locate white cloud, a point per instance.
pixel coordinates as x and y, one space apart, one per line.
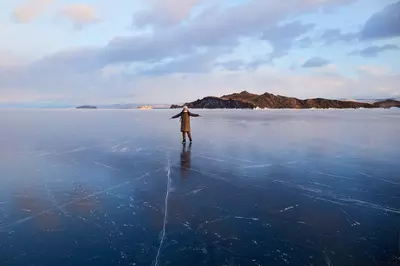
30 10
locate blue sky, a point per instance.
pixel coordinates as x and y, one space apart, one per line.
168 51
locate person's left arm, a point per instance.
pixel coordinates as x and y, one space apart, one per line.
194 115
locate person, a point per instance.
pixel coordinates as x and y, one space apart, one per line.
185 123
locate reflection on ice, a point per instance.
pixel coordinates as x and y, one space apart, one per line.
185 160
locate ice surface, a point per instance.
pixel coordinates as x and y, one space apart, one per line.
265 187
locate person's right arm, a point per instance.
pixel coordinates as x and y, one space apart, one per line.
176 116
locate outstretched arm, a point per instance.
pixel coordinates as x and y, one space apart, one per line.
195 115
176 116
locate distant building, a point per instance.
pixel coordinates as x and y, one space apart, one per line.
145 107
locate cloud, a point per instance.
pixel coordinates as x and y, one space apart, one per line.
373 51
213 28
282 37
193 47
79 14
218 28
305 42
332 36
315 62
81 60
165 12
202 62
30 10
383 24
232 65
244 65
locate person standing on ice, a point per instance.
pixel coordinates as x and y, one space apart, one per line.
185 122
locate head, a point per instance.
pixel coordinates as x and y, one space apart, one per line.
185 109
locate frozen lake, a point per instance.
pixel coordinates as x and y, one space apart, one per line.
270 187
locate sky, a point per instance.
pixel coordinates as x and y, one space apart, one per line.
59 52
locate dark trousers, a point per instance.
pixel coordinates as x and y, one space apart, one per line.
184 135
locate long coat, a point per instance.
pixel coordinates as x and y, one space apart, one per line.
185 120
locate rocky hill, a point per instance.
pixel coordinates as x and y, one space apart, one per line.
387 104
219 103
246 100
268 100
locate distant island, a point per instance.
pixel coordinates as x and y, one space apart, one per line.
86 107
246 100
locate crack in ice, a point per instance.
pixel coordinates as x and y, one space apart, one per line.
288 208
351 221
53 200
327 260
106 166
168 169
